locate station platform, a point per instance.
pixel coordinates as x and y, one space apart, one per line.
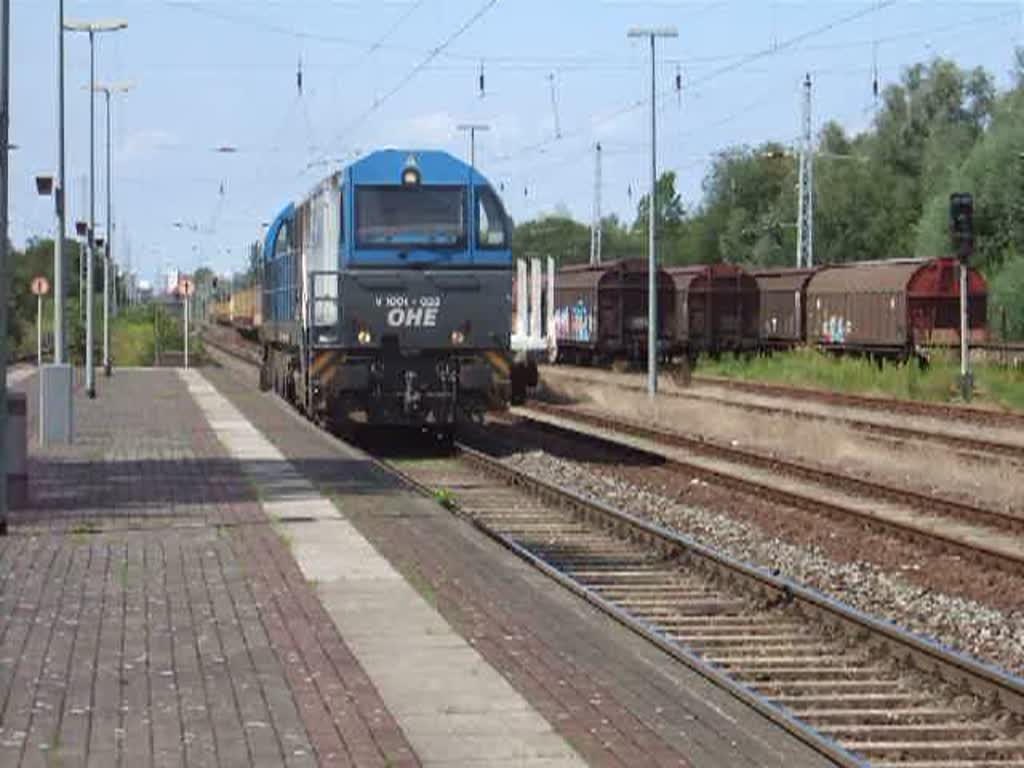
204 578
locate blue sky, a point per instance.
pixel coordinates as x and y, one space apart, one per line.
209 73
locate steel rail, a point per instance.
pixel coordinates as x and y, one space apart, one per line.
962 443
817 503
922 655
963 673
871 488
965 413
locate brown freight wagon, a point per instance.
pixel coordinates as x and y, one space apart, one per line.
782 309
892 307
716 308
600 312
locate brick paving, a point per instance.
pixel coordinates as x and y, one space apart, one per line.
151 615
618 701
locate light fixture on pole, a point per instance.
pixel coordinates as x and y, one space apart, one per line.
106 89
652 277
92 27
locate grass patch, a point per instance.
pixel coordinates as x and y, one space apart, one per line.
131 341
84 528
1003 386
938 382
445 498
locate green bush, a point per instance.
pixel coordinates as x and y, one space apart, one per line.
938 382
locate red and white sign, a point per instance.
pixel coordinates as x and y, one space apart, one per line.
40 286
186 287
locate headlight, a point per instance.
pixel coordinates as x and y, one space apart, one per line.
364 336
458 337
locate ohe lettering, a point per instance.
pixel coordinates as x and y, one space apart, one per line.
413 317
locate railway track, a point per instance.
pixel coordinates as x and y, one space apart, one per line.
972 447
858 690
972 532
962 413
937 522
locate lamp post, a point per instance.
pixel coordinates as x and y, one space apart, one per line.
92 27
5 121
106 89
82 231
652 277
60 348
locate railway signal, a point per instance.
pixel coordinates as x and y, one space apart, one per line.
961 231
961 225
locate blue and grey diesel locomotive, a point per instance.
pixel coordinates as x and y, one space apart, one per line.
387 294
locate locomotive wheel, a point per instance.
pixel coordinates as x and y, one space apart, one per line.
532 375
518 376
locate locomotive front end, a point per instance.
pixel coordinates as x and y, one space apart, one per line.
415 325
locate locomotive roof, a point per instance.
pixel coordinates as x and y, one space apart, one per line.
385 166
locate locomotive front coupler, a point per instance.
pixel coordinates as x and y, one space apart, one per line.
447 372
411 397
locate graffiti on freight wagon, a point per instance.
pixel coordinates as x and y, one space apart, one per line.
835 330
575 322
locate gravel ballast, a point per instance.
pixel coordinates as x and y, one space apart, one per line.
900 593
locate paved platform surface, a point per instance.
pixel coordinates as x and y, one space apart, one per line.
456 710
616 699
151 615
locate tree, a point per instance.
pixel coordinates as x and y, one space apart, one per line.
993 171
565 239
748 211
1006 297
37 259
669 219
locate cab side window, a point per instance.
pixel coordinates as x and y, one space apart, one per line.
283 244
492 223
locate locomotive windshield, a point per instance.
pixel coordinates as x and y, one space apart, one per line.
420 216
